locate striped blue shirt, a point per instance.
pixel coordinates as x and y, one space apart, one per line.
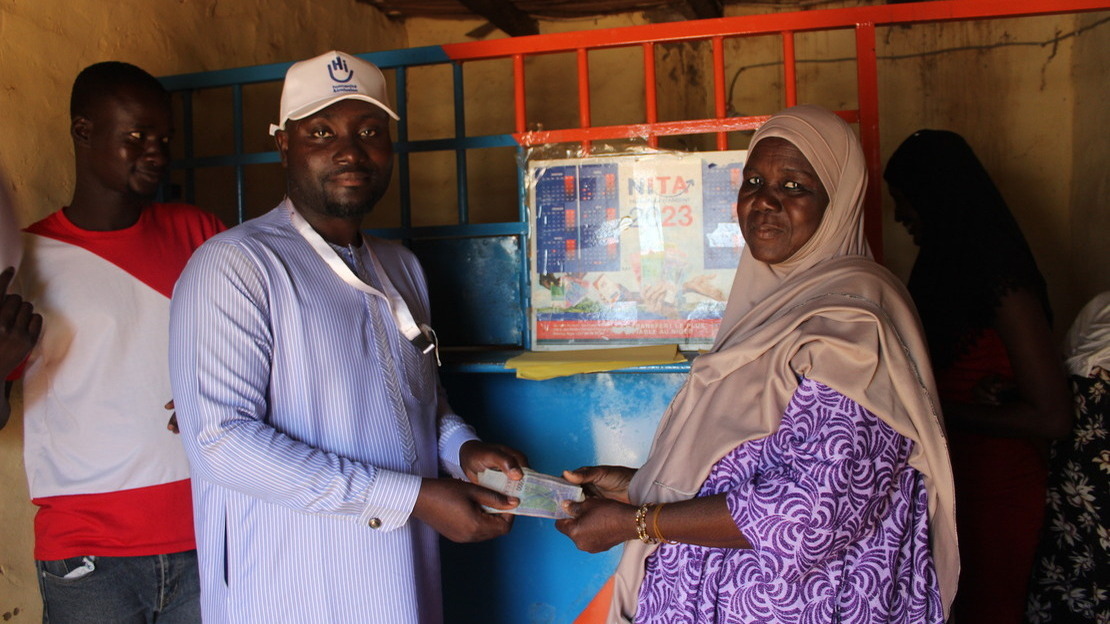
308 419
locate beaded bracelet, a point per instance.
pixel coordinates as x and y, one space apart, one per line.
641 525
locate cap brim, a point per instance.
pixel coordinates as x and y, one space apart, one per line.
320 105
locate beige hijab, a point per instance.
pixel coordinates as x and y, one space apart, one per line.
829 313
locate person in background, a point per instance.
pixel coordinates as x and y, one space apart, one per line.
306 383
984 306
113 532
800 474
1071 574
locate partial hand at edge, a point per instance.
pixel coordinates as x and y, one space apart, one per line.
454 509
172 424
20 326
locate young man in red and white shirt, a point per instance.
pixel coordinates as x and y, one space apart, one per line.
104 463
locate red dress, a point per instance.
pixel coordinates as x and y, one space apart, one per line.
1000 490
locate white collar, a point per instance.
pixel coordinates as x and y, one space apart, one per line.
420 335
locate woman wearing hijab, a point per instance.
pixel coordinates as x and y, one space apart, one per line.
984 307
801 473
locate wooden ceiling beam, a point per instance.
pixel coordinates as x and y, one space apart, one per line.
506 16
705 9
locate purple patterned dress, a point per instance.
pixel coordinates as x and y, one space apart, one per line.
837 520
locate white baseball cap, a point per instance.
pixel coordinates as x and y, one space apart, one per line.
313 85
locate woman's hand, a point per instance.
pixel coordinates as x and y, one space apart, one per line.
603 481
598 523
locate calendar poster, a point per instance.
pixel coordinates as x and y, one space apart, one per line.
632 249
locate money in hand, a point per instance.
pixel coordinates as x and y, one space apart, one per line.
540 495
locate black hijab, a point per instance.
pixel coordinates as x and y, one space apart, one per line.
972 250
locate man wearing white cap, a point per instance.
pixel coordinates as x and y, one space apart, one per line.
305 376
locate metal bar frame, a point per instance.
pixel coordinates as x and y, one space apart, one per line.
862 20
768 24
582 56
519 49
651 102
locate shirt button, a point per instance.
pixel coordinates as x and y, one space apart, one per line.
375 523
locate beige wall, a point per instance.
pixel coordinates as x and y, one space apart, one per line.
1084 243
43 44
1033 112
1026 96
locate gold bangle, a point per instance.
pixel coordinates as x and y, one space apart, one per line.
655 525
641 525
655 522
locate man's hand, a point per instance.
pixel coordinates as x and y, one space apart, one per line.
19 326
598 523
454 509
603 481
476 456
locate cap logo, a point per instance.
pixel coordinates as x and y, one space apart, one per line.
340 65
309 88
